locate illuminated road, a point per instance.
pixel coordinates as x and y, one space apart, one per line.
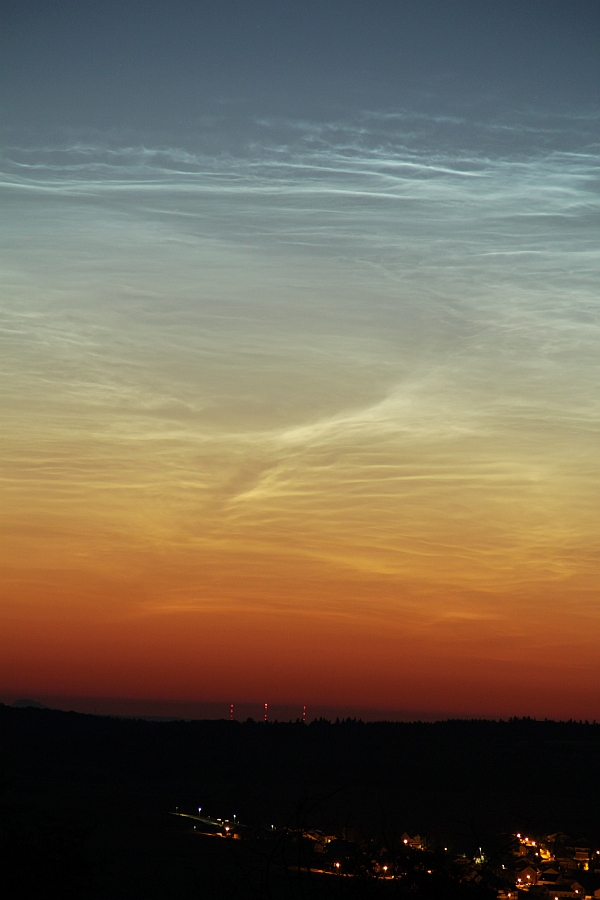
222 826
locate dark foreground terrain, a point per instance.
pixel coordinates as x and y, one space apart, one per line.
86 802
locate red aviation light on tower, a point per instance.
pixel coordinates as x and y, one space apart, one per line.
266 712
231 712
304 714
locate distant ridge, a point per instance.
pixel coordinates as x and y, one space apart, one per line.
21 704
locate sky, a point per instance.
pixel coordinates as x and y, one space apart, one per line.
300 370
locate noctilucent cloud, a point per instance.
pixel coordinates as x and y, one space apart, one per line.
300 357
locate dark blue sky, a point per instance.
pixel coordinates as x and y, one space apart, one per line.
155 65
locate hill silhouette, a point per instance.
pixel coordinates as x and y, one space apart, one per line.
86 799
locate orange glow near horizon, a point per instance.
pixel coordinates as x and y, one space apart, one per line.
210 624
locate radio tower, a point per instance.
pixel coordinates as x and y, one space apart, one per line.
266 711
304 714
231 712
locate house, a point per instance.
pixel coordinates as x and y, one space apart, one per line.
548 876
567 891
415 843
527 874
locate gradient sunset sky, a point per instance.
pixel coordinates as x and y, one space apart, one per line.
300 353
